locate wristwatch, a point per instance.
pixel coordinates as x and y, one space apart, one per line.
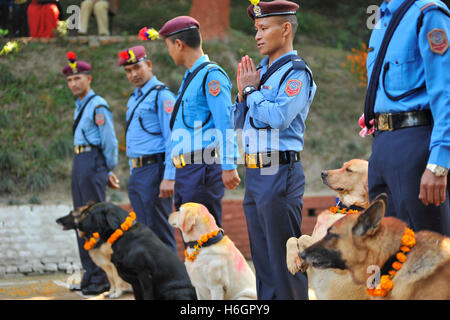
438 171
248 90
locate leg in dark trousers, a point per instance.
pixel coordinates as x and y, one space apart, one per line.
397 163
201 183
89 179
273 209
143 191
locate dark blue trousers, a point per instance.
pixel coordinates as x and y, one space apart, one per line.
89 180
143 191
273 209
201 183
396 166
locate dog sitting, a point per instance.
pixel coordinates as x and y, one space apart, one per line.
141 258
216 267
412 266
101 255
332 284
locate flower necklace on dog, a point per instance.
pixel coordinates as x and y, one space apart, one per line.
386 283
335 210
127 224
206 239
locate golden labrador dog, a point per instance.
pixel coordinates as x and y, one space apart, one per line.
332 284
217 269
409 266
101 255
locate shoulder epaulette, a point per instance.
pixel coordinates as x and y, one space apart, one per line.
427 8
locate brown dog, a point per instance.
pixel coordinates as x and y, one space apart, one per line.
333 284
219 271
366 241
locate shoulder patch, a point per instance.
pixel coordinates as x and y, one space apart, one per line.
99 119
214 87
437 38
293 87
168 106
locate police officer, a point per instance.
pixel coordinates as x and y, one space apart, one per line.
200 121
96 155
273 102
152 179
408 99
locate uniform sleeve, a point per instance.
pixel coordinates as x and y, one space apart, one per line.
218 96
166 101
292 96
104 120
434 32
237 114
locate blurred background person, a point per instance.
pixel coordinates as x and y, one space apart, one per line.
103 11
43 17
19 20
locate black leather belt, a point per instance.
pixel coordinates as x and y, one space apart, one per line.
265 159
183 160
145 160
394 121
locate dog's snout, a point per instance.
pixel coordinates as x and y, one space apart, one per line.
324 175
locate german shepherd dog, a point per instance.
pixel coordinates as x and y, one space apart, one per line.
361 241
100 254
141 258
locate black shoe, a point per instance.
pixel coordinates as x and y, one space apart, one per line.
95 289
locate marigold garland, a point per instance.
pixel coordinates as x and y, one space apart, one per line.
203 239
386 284
89 244
335 210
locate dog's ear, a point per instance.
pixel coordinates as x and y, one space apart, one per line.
114 215
190 217
382 197
369 221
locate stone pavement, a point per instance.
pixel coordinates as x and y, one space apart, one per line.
51 286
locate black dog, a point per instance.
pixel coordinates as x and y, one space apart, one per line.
141 258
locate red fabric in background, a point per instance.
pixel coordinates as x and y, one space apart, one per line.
42 19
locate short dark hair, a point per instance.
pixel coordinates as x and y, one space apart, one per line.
292 19
191 37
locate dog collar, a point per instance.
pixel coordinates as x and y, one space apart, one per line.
343 209
127 224
205 241
393 265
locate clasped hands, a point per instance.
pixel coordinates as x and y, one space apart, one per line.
247 75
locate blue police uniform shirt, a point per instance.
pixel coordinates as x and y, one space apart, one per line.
192 130
139 141
96 127
283 107
412 63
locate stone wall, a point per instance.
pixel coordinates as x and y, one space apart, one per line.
31 242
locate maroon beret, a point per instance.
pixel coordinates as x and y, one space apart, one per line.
132 55
74 66
273 8
178 24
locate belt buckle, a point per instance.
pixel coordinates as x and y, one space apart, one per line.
178 161
136 162
252 160
77 150
385 122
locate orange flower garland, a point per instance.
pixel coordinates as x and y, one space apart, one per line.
89 244
203 239
386 284
335 210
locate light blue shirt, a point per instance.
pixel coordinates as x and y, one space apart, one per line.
413 63
192 130
149 131
100 134
282 107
